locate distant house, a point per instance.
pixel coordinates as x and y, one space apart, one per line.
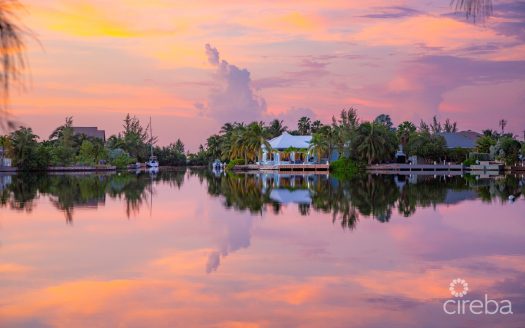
90 131
282 143
4 161
288 148
462 139
286 140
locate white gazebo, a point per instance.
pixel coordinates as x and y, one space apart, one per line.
281 144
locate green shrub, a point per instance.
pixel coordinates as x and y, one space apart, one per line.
344 168
469 162
457 155
233 162
479 157
122 161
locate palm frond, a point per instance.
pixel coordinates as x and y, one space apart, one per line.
12 47
474 9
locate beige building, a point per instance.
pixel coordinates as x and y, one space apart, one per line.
90 131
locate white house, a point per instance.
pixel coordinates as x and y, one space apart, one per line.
288 149
281 147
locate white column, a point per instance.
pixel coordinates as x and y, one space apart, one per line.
264 156
292 156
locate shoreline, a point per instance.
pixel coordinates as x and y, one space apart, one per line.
79 168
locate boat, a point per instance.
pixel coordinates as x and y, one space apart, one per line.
153 161
153 170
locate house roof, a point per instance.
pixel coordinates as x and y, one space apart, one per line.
462 139
287 140
285 196
90 131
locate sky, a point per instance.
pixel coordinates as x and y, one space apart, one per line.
192 66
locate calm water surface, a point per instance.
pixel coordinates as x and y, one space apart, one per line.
192 248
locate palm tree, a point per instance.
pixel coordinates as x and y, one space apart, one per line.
404 130
324 142
319 145
59 131
11 52
371 143
24 143
235 145
227 128
303 125
254 138
316 126
213 145
276 128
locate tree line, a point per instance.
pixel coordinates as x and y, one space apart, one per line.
65 148
347 136
347 200
366 142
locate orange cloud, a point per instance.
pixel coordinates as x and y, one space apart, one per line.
106 97
297 22
13 268
84 20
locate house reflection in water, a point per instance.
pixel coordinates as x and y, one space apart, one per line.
290 188
452 196
5 180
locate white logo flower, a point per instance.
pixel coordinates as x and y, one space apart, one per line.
458 287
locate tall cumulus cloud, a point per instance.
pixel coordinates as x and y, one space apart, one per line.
232 98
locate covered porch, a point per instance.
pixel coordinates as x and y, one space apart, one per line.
283 156
288 150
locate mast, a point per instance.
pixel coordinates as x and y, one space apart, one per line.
150 137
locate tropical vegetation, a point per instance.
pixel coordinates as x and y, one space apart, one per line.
64 147
357 142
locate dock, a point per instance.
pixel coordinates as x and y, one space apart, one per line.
8 169
296 167
81 168
416 167
285 167
419 173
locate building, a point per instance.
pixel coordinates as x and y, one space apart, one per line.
288 148
291 149
4 161
90 131
462 139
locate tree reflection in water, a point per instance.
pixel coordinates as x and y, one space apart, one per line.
375 196
67 192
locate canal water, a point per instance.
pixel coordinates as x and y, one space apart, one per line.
197 248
